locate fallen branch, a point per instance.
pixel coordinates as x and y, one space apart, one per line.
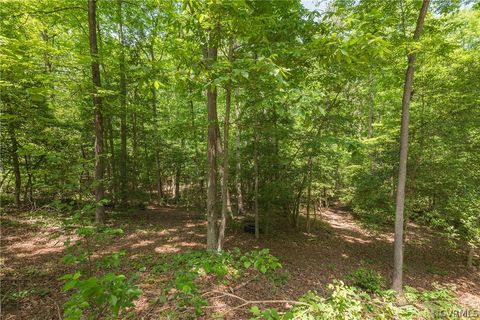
58 309
241 285
249 302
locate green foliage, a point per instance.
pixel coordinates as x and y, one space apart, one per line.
350 303
24 294
98 297
367 279
97 292
193 267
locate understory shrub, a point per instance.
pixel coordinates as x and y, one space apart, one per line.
98 292
192 267
367 279
351 303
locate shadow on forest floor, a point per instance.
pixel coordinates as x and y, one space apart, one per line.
337 245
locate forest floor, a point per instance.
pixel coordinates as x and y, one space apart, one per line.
31 249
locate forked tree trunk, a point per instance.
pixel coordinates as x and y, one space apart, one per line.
402 173
97 104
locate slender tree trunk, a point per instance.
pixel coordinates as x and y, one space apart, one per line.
255 164
123 110
226 127
112 158
16 165
97 104
29 186
135 151
221 171
470 254
177 183
309 191
158 173
402 174
210 55
200 168
238 175
371 115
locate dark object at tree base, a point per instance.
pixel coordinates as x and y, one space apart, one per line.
109 205
250 228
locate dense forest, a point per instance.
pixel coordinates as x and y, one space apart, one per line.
240 159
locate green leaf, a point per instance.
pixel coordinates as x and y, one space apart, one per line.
255 310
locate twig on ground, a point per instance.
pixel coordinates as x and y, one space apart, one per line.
248 302
58 308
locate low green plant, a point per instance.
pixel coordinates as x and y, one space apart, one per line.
352 303
97 292
367 279
98 297
196 265
435 270
22 294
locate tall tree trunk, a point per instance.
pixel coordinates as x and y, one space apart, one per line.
97 104
238 175
402 173
309 191
200 168
29 187
16 164
255 165
108 136
371 115
226 127
470 255
123 110
134 166
158 173
112 158
210 55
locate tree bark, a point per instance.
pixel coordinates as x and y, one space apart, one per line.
97 104
470 254
371 115
134 164
402 174
309 191
112 157
238 175
29 187
16 165
210 55
200 168
123 110
255 164
226 127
